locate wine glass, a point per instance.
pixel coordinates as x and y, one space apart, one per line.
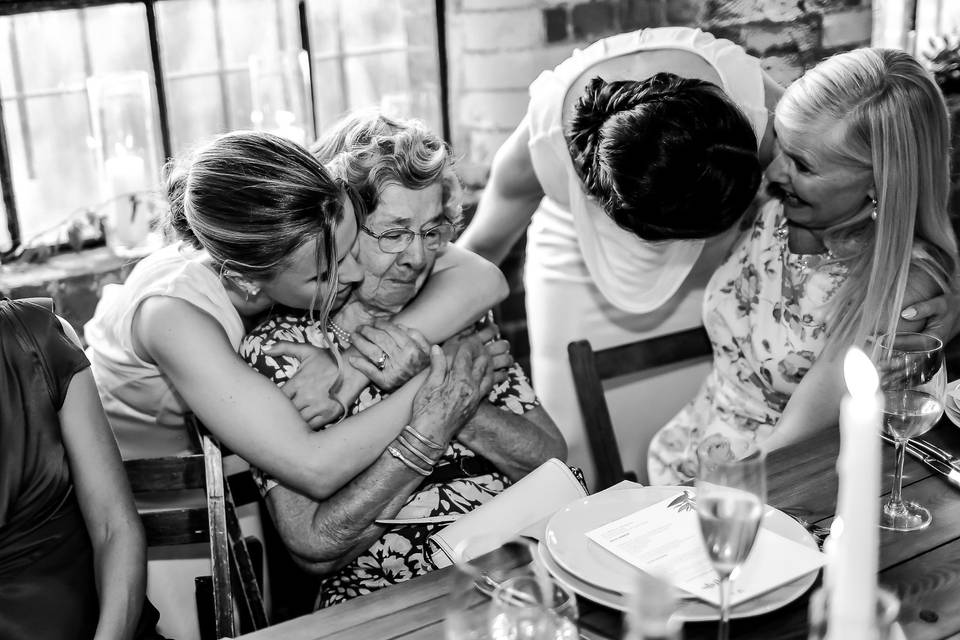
730 503
913 379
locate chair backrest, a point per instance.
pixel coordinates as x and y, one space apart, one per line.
216 522
590 368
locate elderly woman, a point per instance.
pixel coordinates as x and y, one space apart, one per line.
857 229
405 179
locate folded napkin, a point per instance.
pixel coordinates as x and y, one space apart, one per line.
531 499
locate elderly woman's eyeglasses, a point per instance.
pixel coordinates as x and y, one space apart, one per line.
397 240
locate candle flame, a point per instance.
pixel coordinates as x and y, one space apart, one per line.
860 374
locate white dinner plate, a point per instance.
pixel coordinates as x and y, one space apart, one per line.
595 573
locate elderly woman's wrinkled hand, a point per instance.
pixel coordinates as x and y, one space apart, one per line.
309 387
487 337
452 391
392 353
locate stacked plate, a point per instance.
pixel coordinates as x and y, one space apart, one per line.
591 571
952 404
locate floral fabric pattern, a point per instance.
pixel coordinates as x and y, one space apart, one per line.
765 310
402 552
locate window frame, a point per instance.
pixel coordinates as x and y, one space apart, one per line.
13 7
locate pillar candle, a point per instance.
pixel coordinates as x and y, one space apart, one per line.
851 576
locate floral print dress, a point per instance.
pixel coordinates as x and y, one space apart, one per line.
765 310
402 552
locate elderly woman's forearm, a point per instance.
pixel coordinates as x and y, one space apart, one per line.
329 534
515 444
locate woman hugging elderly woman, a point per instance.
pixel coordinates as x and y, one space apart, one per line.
410 210
258 221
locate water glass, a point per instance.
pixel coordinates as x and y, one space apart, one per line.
913 379
533 607
468 605
652 611
730 502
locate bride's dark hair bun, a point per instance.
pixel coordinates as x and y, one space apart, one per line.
666 157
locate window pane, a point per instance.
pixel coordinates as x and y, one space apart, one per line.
195 110
383 51
330 98
367 23
208 68
59 148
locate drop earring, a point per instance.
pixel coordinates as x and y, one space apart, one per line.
874 213
249 289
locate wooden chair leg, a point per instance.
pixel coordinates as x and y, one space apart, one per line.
250 596
206 616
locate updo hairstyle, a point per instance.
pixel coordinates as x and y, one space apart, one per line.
666 157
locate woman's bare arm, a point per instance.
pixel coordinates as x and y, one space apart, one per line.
462 286
108 510
250 415
815 405
512 194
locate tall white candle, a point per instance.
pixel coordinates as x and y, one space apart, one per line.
854 540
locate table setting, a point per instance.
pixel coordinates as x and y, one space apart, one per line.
735 555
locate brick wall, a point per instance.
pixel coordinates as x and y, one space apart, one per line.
497 47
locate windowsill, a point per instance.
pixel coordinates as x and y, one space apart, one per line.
65 266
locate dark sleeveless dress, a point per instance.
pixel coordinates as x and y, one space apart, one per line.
47 587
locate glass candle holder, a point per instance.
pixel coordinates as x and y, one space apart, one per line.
124 146
884 628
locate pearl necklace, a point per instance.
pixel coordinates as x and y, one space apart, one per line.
342 335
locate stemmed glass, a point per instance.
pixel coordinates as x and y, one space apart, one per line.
913 379
730 502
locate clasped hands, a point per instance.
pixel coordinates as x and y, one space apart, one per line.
403 351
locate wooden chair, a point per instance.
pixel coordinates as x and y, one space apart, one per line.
590 368
216 523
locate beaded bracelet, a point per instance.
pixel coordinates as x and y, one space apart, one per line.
392 450
422 438
412 449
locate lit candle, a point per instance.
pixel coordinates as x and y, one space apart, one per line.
854 540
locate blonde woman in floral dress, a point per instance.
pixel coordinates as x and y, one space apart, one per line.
858 229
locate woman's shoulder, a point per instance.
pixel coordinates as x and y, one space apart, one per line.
33 314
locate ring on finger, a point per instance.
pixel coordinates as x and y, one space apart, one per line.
382 360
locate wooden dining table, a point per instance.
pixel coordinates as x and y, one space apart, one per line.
921 567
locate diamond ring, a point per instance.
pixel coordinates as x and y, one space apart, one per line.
382 361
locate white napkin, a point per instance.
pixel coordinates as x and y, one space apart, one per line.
537 495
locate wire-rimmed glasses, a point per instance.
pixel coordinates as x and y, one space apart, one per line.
398 239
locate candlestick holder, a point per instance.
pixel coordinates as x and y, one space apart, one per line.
884 624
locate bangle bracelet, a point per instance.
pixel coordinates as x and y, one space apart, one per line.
422 438
402 458
409 447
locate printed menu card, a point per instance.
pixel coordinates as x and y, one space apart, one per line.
664 539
